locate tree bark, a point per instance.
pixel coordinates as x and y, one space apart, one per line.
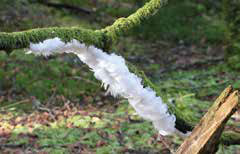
206 135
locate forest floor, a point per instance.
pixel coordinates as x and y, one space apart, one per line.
54 104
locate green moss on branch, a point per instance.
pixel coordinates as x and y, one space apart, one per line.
22 39
100 38
123 25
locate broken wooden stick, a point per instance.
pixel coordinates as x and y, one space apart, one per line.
206 135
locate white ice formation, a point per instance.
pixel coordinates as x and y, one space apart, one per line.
116 78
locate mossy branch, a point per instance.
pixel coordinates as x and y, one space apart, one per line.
100 38
17 40
123 25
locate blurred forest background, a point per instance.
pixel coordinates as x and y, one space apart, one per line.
189 49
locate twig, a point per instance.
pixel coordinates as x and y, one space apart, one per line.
38 106
17 103
51 98
49 111
12 145
30 145
162 139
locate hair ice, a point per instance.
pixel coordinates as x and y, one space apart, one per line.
116 78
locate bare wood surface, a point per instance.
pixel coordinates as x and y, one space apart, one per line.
206 135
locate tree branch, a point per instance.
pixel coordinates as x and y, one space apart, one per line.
123 25
64 6
17 40
100 38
